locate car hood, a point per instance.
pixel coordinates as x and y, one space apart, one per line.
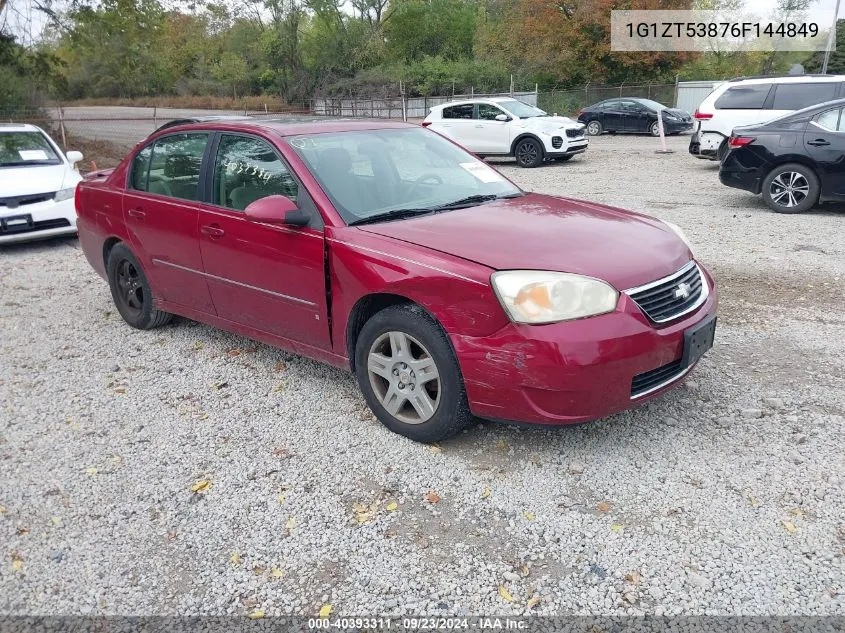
540 232
681 114
549 124
22 181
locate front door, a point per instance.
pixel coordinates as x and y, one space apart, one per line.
488 134
613 117
161 209
269 277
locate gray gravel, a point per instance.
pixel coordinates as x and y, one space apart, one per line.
724 497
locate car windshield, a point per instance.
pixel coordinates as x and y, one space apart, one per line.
382 174
651 105
23 149
521 109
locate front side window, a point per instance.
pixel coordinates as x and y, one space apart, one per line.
521 109
174 167
25 149
372 172
799 96
247 169
750 97
463 111
488 112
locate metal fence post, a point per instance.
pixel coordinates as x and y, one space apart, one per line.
155 119
677 82
62 126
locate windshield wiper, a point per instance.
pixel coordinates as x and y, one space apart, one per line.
396 214
473 200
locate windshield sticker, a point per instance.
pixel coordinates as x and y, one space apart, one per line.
33 154
482 172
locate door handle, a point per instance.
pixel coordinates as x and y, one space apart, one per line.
137 213
819 142
212 230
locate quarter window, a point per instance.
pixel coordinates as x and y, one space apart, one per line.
174 168
830 120
463 111
749 97
248 169
798 96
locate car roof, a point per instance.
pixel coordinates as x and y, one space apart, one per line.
19 127
782 79
289 126
474 100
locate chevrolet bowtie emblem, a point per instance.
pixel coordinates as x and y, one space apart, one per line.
683 291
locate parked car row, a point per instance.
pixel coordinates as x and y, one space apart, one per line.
779 137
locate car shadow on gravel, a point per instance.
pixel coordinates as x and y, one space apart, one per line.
43 244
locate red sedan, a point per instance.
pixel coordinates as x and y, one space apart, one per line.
386 249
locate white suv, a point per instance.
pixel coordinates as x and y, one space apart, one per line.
756 100
508 127
37 185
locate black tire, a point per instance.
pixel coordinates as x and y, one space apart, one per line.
654 129
594 128
785 185
722 151
427 342
529 152
130 290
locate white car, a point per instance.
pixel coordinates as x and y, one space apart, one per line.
508 127
37 185
756 100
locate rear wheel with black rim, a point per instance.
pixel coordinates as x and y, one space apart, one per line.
791 188
130 290
529 153
409 375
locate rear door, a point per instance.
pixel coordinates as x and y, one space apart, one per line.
458 124
744 104
613 116
161 208
788 97
269 277
824 141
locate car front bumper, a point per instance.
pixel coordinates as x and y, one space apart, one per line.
575 371
675 127
37 221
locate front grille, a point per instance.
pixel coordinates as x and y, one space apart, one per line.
652 380
43 225
672 296
575 132
557 142
19 201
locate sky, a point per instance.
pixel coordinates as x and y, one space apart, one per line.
27 23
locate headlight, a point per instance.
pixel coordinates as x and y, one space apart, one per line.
64 194
535 296
679 232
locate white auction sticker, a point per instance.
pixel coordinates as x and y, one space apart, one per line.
482 172
32 154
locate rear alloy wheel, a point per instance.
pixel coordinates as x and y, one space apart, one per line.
594 128
791 188
130 290
409 376
529 153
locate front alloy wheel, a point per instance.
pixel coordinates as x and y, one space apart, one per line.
529 153
404 377
594 128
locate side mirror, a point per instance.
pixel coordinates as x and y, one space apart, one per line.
271 210
74 157
502 117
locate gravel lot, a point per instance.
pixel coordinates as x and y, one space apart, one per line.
723 497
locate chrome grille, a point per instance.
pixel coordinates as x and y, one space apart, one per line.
18 201
672 296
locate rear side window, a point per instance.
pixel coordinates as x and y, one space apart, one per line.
830 120
750 97
141 169
175 165
463 111
798 96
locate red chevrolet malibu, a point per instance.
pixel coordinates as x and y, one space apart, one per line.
386 249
